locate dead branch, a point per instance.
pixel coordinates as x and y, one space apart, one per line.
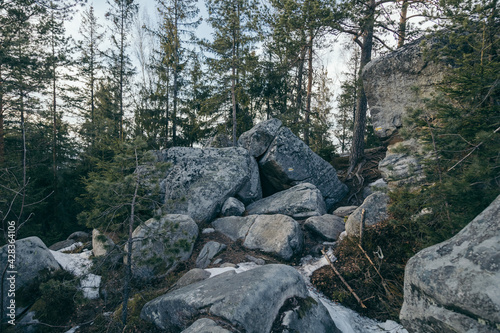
343 281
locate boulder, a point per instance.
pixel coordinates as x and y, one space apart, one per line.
344 211
232 207
34 263
454 286
160 244
278 234
62 244
205 325
375 206
102 245
397 82
192 276
289 161
209 251
199 181
250 300
326 226
300 201
258 139
80 236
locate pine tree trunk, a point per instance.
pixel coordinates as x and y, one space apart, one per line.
233 86
300 71
358 138
309 90
128 271
176 73
402 24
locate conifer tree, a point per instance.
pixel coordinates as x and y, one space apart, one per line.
179 19
121 14
235 24
89 68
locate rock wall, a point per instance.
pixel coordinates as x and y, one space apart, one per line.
398 81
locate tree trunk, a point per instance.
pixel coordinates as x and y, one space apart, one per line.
309 89
233 83
358 138
122 67
402 24
300 72
128 271
176 73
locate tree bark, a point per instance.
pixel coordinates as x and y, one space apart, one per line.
358 139
309 89
402 24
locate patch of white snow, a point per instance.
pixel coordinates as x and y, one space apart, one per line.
79 265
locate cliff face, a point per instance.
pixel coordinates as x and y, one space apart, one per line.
399 81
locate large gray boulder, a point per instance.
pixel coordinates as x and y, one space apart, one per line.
398 81
199 181
289 161
454 286
327 226
258 139
34 263
250 300
160 244
300 201
375 206
278 234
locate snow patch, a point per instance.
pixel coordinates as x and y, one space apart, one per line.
244 266
79 265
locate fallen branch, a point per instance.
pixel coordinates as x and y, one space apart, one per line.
344 281
384 284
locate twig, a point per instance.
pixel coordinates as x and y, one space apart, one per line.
473 149
344 281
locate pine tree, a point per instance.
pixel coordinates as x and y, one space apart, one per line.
179 19
89 68
121 14
235 24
